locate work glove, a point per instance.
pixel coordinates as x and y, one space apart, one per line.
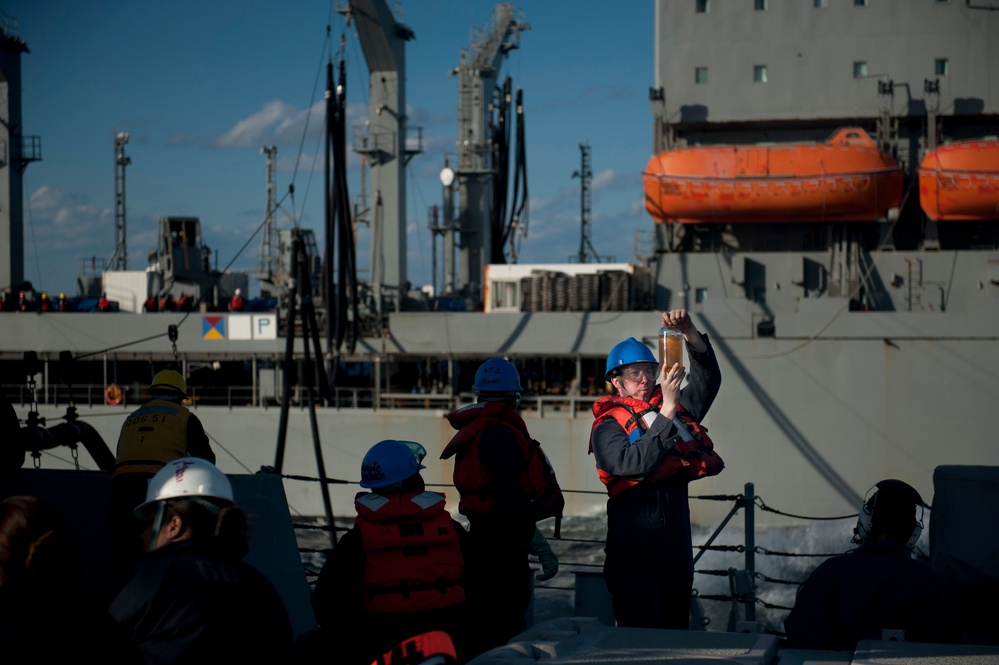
541 549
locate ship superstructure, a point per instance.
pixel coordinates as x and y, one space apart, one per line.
821 191
836 336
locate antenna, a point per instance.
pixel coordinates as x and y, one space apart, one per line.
267 252
585 174
119 259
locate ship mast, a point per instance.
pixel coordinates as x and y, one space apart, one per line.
585 175
119 260
265 266
21 149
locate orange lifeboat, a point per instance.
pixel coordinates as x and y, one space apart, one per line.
846 179
961 181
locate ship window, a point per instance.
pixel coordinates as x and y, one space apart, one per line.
859 69
760 73
702 6
760 5
700 294
942 67
861 3
758 295
506 296
700 75
822 4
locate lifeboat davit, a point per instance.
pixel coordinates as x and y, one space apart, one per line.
961 181
846 179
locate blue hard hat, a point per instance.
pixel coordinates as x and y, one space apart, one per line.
388 463
497 375
628 352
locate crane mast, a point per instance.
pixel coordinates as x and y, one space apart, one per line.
385 146
477 75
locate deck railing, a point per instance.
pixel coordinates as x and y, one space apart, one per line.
236 397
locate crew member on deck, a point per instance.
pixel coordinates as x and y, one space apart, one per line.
878 586
648 444
193 600
397 573
45 616
237 303
507 485
184 302
161 430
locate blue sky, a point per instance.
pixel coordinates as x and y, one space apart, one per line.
200 87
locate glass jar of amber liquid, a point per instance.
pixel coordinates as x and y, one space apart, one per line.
670 347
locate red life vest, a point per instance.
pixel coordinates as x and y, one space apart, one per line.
694 458
471 478
433 646
413 557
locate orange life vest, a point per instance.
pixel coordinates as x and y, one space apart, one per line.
472 479
693 457
413 556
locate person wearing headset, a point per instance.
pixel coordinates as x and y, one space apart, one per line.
506 485
876 587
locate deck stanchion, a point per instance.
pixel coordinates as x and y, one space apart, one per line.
749 503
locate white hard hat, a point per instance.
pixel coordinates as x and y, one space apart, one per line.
186 477
238 292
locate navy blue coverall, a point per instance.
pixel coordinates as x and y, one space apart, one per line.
649 566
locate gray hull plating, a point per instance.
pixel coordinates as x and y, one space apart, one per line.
813 416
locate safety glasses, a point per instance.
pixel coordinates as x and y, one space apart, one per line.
636 372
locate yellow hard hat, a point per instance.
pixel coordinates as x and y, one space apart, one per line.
62 296
168 380
45 295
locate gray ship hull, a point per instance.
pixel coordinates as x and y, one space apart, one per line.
812 416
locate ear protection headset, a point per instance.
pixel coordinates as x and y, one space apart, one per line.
865 518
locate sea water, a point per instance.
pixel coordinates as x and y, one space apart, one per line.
784 556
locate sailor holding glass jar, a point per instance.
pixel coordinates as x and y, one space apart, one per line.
648 444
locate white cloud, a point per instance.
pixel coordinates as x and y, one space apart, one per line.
611 180
275 118
65 219
282 124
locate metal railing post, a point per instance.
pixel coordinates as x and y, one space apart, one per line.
749 502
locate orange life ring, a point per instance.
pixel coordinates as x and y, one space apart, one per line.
113 394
